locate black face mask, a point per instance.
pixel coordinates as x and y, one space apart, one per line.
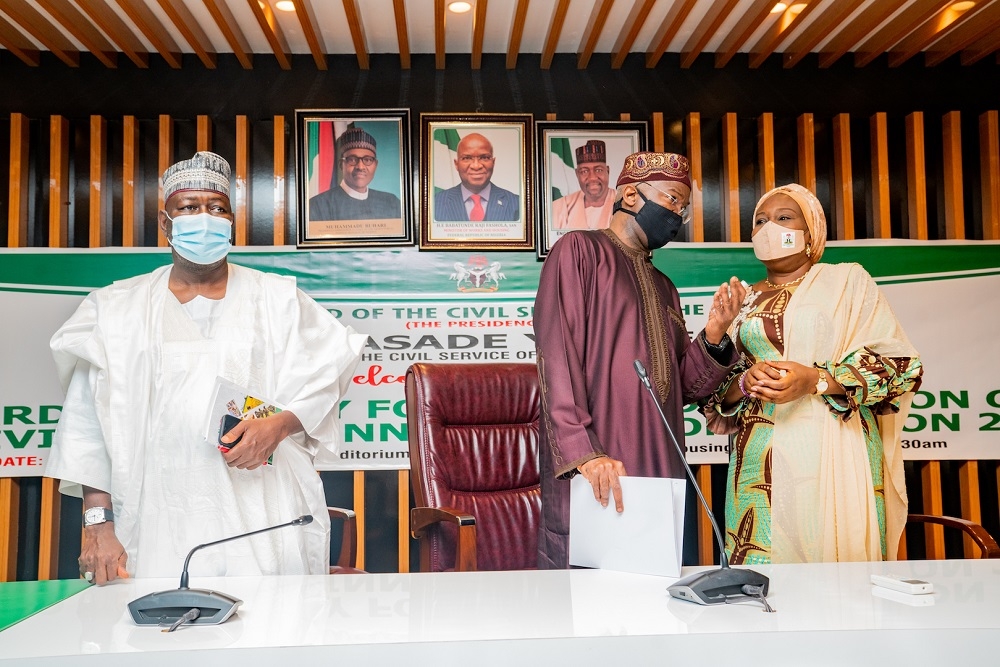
658 223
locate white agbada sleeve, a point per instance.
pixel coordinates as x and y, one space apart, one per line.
321 355
79 454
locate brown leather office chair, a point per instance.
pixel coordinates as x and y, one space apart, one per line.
348 559
988 547
473 434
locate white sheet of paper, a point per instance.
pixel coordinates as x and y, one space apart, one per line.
644 539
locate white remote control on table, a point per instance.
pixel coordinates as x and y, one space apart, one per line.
903 584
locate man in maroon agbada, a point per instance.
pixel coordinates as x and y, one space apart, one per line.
601 305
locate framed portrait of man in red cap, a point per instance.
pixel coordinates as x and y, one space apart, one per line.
353 177
577 163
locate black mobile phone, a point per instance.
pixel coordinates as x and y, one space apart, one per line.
228 422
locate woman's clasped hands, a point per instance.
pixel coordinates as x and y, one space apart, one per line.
779 381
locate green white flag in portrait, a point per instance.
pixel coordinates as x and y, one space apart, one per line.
444 154
562 175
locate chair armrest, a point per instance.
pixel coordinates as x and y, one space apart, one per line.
465 545
976 533
348 558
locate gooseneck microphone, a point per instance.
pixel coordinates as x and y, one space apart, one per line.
711 586
176 606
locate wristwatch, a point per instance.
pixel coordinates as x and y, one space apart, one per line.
822 385
96 515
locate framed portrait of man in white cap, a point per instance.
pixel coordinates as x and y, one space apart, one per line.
353 177
577 163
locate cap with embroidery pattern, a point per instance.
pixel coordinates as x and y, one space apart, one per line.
205 171
593 151
355 137
650 167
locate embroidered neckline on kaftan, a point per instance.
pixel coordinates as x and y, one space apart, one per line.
656 327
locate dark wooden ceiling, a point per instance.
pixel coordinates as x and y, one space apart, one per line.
252 30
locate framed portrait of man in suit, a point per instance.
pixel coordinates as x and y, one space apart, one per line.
578 163
353 177
475 181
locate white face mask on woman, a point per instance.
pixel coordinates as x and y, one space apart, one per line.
772 241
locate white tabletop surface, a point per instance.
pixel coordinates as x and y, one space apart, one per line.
825 614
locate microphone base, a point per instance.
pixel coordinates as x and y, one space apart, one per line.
716 586
165 607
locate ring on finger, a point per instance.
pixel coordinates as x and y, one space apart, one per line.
89 576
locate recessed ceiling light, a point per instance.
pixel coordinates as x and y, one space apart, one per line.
964 6
797 7
778 8
285 5
459 7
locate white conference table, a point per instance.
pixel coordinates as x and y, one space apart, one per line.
825 614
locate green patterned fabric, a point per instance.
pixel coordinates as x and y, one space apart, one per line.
872 383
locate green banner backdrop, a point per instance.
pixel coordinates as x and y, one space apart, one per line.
477 306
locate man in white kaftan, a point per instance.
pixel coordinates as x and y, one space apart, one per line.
139 361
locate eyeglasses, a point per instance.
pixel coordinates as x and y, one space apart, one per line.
683 211
587 171
352 160
469 159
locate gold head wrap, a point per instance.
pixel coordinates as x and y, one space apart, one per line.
812 211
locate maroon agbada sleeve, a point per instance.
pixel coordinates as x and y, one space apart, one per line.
560 323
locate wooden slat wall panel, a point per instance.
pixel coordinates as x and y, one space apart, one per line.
10 505
17 233
59 189
954 211
98 194
403 510
706 536
17 213
807 152
692 130
916 177
730 204
843 188
165 158
240 195
658 138
989 161
133 194
880 227
930 471
930 474
360 514
204 135
968 486
17 237
58 182
131 218
279 180
765 153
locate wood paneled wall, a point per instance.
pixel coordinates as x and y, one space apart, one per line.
127 154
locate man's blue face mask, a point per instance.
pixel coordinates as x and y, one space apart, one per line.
201 238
